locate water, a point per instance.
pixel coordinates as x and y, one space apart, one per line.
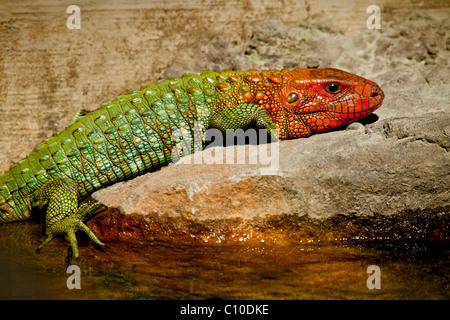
153 269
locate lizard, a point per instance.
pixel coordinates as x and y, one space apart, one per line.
132 135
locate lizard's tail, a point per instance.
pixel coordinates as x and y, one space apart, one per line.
13 205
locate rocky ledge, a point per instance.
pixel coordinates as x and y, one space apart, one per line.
385 180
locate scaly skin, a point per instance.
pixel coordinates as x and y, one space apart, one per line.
133 134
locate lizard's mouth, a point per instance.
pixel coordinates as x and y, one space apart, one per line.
342 113
360 106
376 98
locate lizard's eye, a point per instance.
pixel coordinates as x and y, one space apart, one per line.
333 88
292 97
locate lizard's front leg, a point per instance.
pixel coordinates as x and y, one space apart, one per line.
63 215
241 116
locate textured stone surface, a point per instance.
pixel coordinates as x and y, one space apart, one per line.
388 167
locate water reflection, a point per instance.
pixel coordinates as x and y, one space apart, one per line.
142 269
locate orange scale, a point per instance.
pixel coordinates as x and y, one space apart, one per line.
254 78
274 79
248 96
365 103
359 89
367 91
259 95
221 86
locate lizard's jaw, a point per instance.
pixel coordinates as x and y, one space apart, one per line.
338 114
359 106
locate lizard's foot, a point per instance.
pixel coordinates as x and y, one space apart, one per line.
64 216
67 227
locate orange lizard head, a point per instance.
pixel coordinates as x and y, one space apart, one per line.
318 100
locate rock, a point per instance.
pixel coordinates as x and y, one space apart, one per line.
391 167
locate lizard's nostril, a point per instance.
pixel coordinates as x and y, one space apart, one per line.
376 91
